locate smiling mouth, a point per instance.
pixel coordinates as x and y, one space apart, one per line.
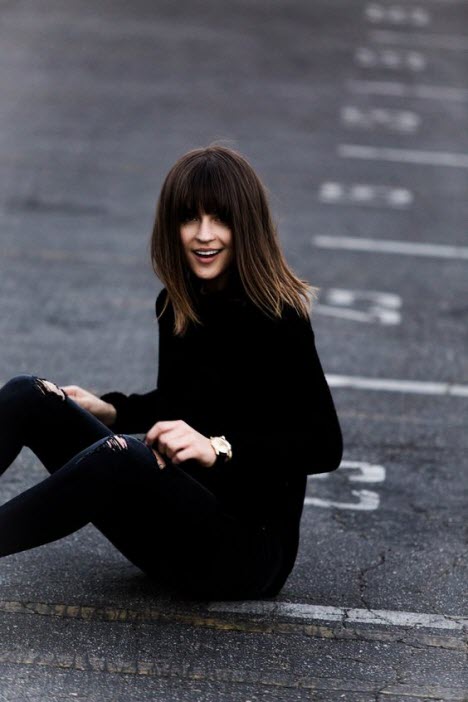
206 254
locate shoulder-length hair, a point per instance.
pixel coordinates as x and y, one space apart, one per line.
218 179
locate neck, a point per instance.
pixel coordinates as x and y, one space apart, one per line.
219 283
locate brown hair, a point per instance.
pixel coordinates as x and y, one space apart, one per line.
217 179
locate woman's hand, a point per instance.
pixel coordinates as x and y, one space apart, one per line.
103 411
180 442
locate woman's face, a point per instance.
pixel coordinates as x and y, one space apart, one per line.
208 248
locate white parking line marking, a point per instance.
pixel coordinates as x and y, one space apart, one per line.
393 385
419 158
405 248
451 42
367 501
365 194
380 307
395 14
384 317
393 59
400 121
360 472
365 472
312 613
394 89
341 296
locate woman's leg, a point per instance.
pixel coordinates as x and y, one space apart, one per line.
35 413
164 521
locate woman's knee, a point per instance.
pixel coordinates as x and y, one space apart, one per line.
126 446
118 463
24 383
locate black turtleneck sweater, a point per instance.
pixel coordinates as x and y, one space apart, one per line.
259 382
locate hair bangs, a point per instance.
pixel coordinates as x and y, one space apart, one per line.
204 189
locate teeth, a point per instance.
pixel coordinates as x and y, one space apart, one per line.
207 253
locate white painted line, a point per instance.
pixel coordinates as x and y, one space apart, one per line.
367 501
393 385
389 246
366 472
394 89
393 59
451 42
420 158
365 194
388 317
397 15
400 121
360 472
380 307
311 613
341 296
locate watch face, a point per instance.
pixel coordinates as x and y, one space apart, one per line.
221 444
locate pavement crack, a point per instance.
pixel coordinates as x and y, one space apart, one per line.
362 578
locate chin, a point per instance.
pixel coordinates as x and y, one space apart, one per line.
208 275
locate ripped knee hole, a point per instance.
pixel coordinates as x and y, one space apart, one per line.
48 388
116 443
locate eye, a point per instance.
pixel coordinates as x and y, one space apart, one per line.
219 219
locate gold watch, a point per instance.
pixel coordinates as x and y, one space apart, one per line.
222 447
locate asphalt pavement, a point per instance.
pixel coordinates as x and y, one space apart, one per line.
355 114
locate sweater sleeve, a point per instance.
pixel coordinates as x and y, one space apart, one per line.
136 413
293 425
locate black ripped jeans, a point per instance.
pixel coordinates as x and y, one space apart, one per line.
163 521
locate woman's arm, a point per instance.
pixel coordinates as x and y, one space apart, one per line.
136 413
289 422
104 411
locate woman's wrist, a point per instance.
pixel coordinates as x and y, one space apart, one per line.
110 415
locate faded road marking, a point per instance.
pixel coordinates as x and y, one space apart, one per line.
395 89
405 248
396 15
392 385
393 59
182 670
380 307
199 616
401 121
307 612
413 156
366 194
367 501
360 472
452 42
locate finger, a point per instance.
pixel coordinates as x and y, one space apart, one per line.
71 393
173 436
160 460
157 429
173 446
183 455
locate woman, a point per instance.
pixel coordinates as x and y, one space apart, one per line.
210 500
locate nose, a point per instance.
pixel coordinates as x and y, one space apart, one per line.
205 233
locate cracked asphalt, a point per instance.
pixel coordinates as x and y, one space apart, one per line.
98 100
